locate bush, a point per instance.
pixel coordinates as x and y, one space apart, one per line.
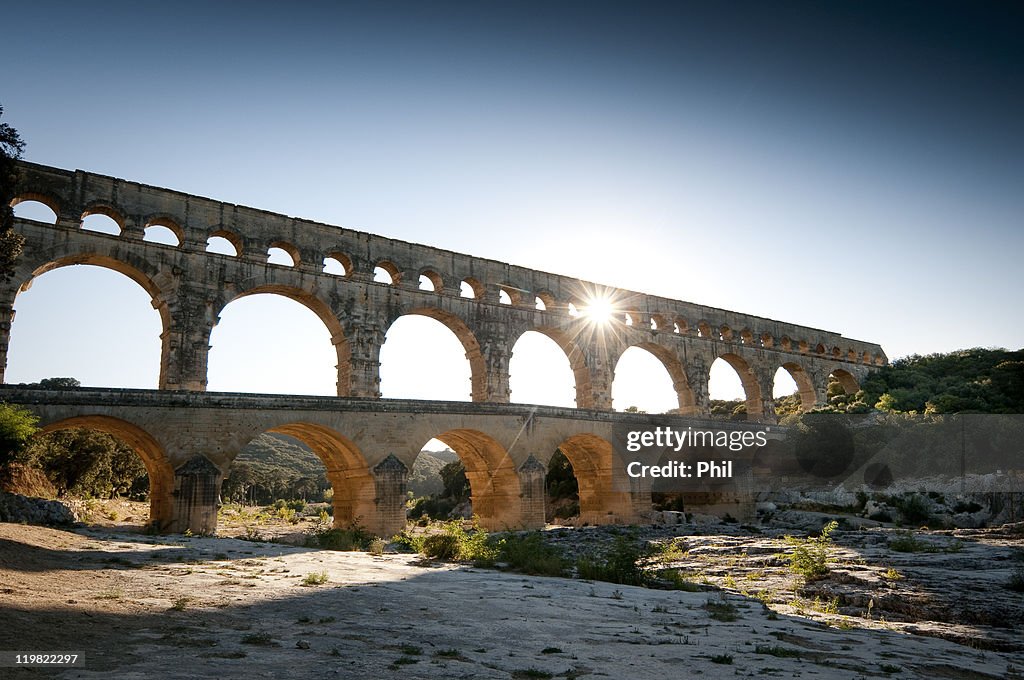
531 554
619 565
914 509
353 538
455 543
810 555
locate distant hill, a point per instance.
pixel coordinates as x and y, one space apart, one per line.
425 479
282 451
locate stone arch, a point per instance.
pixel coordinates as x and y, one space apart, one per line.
846 379
603 498
288 248
751 388
347 470
493 479
577 362
454 323
473 286
45 199
672 364
343 260
804 384
431 275
544 301
158 466
323 312
391 269
231 237
107 209
167 222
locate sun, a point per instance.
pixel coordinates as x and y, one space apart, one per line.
600 310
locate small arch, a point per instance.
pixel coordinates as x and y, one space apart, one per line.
163 230
836 352
703 330
571 310
786 343
471 288
746 337
866 357
158 466
725 333
658 322
879 361
627 319
851 355
223 242
802 346
846 380
819 349
283 253
386 272
431 281
508 295
680 326
767 341
544 301
36 207
338 264
102 219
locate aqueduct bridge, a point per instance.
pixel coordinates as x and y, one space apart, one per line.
188 438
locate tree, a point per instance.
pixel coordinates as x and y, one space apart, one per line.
11 148
17 425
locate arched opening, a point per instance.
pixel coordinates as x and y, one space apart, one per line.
283 254
94 460
223 242
35 207
843 392
527 381
161 234
431 281
438 486
604 497
431 354
571 310
102 221
338 264
494 489
733 389
471 288
540 372
561 491
387 273
300 472
94 322
278 341
503 297
650 379
792 390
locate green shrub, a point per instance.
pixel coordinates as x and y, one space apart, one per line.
353 538
531 554
455 543
619 565
914 509
810 555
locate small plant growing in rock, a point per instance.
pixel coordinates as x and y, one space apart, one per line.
315 579
810 555
376 546
721 610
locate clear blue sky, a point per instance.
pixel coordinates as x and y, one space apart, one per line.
857 167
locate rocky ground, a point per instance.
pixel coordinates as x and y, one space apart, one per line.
140 606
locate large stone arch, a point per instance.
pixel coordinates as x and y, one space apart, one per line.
149 278
604 496
322 310
847 379
676 371
347 470
466 337
751 388
577 361
493 479
158 466
804 383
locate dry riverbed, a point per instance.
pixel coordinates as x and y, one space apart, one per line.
187 607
